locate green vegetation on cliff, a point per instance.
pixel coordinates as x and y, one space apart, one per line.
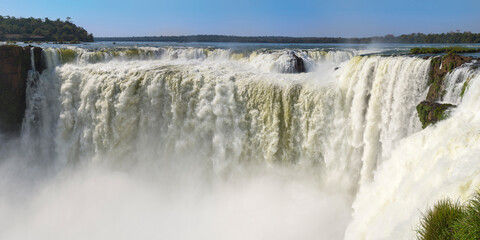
464 87
26 29
449 50
449 220
439 67
430 112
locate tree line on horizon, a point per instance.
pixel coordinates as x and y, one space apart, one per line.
36 29
451 37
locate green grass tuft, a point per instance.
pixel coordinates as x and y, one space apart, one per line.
438 222
468 227
452 221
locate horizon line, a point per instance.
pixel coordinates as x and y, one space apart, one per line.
279 36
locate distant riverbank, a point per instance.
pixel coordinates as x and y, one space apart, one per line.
414 38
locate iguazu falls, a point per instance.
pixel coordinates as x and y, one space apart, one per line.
231 144
208 124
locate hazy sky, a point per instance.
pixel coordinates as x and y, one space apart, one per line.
336 18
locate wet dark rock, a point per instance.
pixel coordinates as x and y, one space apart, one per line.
39 59
295 64
15 61
299 64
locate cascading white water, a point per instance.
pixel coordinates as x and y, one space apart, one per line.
438 162
199 138
229 114
456 82
266 60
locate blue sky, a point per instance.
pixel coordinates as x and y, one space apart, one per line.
335 18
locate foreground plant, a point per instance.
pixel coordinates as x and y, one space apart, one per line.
451 220
468 227
438 222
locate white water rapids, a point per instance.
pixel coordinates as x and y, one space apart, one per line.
193 143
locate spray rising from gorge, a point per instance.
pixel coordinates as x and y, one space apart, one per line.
212 143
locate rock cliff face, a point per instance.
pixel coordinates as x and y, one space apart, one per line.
40 63
15 62
440 66
430 111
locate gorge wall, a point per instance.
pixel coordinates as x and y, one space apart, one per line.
15 62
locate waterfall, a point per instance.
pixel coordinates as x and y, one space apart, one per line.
457 82
228 115
267 60
435 163
162 127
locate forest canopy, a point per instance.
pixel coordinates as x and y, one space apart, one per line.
36 29
451 37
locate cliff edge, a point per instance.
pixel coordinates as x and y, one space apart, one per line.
15 61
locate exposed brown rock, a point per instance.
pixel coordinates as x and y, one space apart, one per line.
440 66
14 65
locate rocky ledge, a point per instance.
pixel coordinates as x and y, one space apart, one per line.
431 112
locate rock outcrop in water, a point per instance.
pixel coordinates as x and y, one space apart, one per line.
15 62
296 64
299 64
431 112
